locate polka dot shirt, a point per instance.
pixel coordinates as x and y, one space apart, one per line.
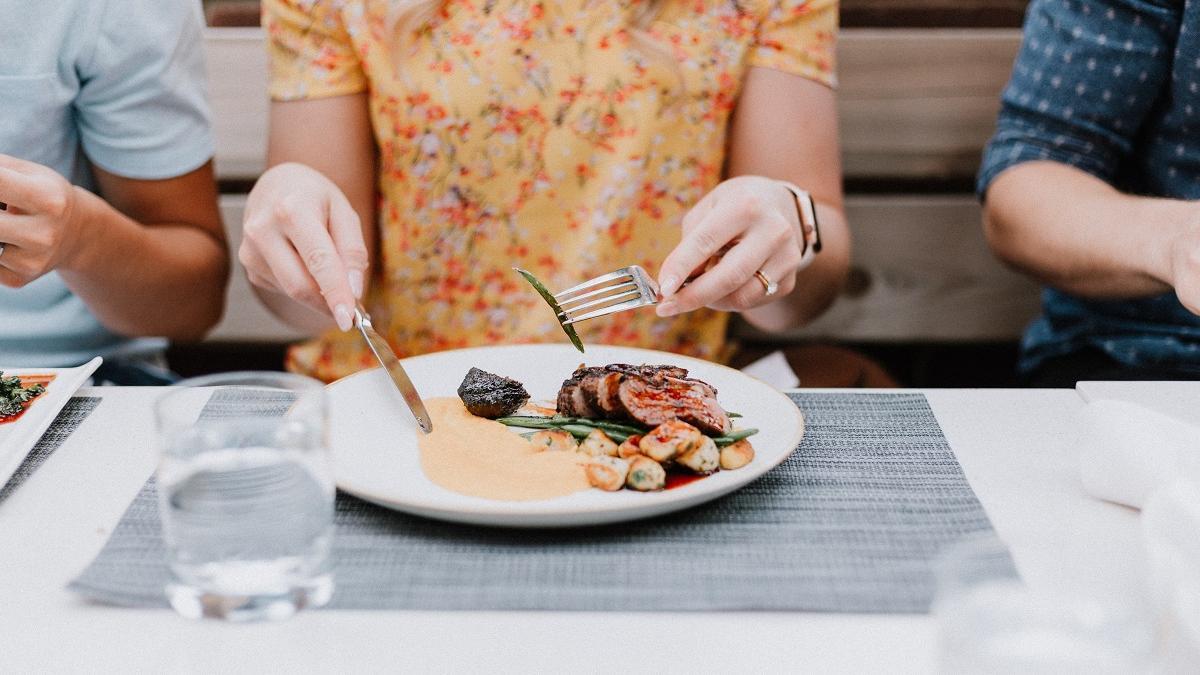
1111 87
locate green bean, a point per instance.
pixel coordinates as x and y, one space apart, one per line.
580 427
558 311
607 425
536 422
733 437
528 422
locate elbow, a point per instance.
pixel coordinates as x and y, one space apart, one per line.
1003 238
201 311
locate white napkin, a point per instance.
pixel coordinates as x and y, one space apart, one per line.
775 370
1126 451
1141 458
1171 535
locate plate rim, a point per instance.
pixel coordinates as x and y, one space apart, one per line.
664 501
66 383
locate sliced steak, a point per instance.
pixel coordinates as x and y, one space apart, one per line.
647 394
653 403
608 395
572 400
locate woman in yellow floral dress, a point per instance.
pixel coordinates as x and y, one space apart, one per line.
440 143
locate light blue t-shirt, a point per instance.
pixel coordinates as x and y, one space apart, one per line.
118 84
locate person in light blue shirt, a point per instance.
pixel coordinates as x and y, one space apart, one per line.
110 238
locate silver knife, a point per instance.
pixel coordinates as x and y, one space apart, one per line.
387 358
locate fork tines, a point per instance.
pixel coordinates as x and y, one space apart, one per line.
627 288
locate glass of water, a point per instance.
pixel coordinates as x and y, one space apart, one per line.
990 621
245 495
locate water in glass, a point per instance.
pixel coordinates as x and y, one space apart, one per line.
246 497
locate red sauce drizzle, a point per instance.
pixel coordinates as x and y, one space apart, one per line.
27 380
676 480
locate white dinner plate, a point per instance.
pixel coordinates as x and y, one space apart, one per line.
374 438
18 437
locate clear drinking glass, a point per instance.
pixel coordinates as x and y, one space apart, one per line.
246 495
989 621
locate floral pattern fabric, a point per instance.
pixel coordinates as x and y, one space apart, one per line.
553 136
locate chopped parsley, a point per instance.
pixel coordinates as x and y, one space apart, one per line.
14 396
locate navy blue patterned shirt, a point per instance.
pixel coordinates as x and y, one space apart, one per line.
1111 87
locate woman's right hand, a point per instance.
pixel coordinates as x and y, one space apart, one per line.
302 239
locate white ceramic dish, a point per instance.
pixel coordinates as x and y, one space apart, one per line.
374 438
17 438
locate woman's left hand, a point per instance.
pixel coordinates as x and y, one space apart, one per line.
754 221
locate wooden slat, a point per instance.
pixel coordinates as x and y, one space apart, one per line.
914 104
932 13
920 103
922 273
237 67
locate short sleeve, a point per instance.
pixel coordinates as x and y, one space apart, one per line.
311 53
141 107
1088 74
798 37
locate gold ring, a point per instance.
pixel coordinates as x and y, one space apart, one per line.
770 287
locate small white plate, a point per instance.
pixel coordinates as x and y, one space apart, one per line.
374 438
18 438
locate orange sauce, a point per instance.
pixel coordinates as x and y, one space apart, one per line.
481 458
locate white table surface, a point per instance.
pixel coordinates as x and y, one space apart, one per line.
1015 447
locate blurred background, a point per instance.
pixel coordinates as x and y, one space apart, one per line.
919 87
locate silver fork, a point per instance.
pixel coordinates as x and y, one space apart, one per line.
627 288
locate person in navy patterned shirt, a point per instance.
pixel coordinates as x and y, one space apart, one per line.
1090 182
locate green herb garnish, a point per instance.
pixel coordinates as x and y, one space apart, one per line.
13 396
558 312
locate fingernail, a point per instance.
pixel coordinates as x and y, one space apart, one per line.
356 283
669 286
341 314
667 308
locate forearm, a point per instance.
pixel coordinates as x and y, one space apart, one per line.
1076 233
160 279
818 285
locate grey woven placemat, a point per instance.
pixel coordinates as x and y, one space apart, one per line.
850 523
69 418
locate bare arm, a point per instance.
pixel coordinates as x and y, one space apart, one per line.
329 177
1050 206
129 255
786 127
1077 233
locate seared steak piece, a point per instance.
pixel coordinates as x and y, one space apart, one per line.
571 398
488 395
647 394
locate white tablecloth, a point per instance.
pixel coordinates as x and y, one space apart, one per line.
1013 445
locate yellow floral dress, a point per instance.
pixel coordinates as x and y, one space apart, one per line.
552 136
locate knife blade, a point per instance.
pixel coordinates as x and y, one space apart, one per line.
387 358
